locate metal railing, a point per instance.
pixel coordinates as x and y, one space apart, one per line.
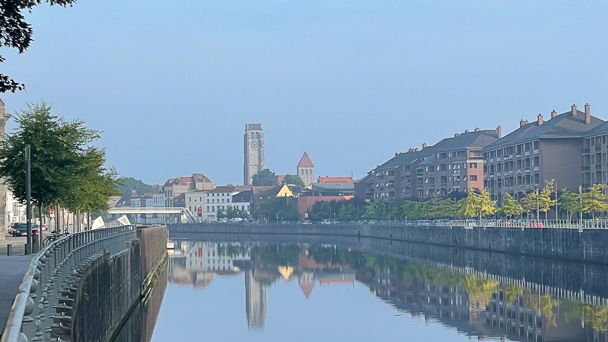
469 223
43 306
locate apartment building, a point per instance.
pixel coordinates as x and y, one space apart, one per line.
456 164
595 164
452 165
539 151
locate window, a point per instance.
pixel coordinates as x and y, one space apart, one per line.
473 178
472 165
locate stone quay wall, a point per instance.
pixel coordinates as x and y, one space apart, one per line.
589 245
112 286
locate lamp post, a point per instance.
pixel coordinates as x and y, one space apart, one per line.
28 199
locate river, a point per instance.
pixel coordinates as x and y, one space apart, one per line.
222 287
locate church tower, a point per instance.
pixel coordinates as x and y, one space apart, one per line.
306 170
254 152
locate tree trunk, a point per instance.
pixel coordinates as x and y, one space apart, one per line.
88 221
40 226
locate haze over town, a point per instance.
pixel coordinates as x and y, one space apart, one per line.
351 83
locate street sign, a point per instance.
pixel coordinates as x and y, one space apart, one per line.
52 212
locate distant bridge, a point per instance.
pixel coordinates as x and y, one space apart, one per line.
146 210
184 214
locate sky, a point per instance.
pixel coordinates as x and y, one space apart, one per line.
172 83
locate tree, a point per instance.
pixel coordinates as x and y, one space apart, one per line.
510 207
348 212
570 202
127 184
411 210
94 185
478 205
530 203
291 179
65 170
264 178
545 202
16 33
594 200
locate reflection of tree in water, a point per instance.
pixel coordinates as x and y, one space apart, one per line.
544 304
321 255
512 292
232 250
591 315
481 290
277 255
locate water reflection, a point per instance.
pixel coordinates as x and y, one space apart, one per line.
478 304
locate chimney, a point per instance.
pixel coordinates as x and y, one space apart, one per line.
455 135
466 131
499 132
423 145
573 110
540 119
522 123
477 129
553 114
587 114
396 154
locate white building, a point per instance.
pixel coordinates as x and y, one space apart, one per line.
219 199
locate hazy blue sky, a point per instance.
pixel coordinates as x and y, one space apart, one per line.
173 83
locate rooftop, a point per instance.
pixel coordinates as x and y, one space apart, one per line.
565 125
305 161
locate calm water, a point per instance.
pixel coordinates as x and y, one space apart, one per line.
231 288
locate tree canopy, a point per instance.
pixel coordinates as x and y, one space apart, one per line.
264 178
16 33
510 207
65 169
291 179
127 184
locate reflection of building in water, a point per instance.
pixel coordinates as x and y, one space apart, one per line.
255 296
307 281
195 263
533 317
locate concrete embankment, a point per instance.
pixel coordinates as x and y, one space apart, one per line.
588 245
111 286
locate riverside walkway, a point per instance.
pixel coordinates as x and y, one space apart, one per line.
12 270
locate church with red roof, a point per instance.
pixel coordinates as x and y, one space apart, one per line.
306 170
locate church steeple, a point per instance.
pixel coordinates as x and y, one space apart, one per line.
306 170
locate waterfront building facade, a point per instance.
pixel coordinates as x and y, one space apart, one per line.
537 152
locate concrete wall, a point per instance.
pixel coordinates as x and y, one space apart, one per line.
589 245
153 247
109 288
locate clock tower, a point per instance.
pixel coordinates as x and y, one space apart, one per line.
253 152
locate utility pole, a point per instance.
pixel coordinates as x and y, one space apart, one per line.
28 199
556 200
580 200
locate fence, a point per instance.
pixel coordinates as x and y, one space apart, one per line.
469 223
43 305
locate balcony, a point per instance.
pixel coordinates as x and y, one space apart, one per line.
598 148
527 153
536 169
535 152
586 151
586 168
